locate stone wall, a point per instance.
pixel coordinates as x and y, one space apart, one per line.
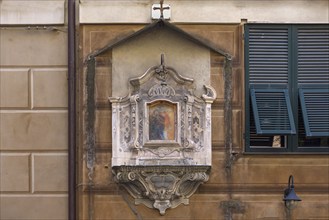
33 111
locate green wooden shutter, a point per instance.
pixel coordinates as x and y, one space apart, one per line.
272 111
268 53
313 55
313 78
315 110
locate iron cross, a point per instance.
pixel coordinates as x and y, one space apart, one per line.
161 8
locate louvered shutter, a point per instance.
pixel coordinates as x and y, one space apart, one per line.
313 74
313 56
315 110
268 64
272 111
268 55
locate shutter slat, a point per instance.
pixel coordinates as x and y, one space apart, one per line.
313 56
315 111
268 56
272 111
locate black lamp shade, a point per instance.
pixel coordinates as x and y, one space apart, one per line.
290 195
290 198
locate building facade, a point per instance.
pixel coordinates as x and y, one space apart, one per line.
279 51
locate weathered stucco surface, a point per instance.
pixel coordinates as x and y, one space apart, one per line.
32 12
253 189
187 58
209 11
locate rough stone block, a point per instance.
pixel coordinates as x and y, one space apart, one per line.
40 130
14 172
14 88
49 172
49 88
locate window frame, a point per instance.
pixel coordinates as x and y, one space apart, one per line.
291 145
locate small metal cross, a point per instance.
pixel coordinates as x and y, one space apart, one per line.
162 60
161 70
161 8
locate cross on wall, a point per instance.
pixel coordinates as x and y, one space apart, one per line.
161 8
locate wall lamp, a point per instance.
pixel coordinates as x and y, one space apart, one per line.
290 198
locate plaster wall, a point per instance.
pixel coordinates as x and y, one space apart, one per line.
209 11
33 121
187 58
32 12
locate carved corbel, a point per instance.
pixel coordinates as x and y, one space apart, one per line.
161 187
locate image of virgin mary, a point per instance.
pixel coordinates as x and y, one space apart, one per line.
161 122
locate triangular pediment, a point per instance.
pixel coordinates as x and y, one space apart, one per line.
157 26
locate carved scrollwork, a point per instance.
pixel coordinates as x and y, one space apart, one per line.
125 130
139 140
161 90
196 127
161 138
162 152
210 95
134 99
164 187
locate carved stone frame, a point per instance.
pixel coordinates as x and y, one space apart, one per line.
177 123
161 173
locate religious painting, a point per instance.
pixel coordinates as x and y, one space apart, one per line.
162 118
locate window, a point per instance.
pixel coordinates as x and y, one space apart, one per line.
287 88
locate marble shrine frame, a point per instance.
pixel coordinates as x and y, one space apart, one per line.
162 138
